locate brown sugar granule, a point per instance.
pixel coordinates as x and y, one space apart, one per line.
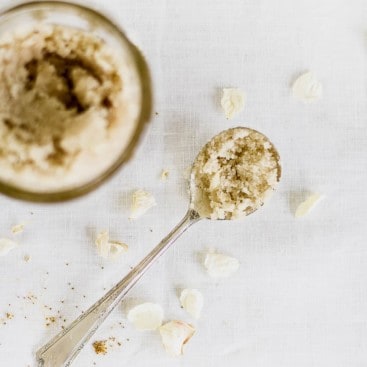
100 347
31 298
50 320
27 258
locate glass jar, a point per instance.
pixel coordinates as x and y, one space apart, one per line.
80 17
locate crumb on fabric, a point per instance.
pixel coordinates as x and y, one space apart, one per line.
164 175
100 347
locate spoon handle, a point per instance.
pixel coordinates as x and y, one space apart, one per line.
64 347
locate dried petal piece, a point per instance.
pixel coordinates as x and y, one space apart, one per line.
175 334
6 245
192 302
220 266
102 243
233 101
18 228
146 316
306 206
141 203
307 88
117 248
109 249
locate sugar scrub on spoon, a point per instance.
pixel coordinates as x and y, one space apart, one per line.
231 178
233 174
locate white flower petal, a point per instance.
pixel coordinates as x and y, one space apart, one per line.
146 316
18 228
307 88
102 244
192 302
142 201
233 101
175 334
116 249
109 249
220 266
306 206
6 246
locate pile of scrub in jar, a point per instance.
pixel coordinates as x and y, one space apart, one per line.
68 107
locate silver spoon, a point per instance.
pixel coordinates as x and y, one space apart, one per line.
64 347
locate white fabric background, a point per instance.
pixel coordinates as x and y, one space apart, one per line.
300 296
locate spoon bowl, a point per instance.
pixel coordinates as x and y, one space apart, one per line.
233 174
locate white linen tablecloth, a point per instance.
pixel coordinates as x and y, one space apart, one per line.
300 295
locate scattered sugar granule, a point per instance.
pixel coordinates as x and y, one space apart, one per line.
100 347
164 175
18 228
